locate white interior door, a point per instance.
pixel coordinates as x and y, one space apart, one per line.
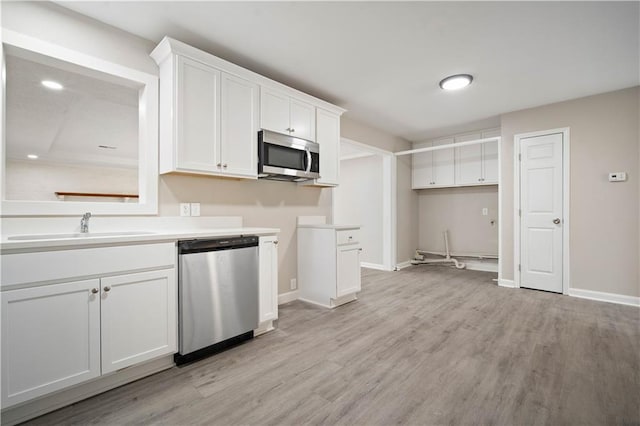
541 201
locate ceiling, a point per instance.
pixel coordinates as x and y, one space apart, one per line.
383 60
73 125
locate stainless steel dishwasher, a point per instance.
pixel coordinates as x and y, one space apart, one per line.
218 294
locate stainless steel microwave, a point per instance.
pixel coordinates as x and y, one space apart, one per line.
282 157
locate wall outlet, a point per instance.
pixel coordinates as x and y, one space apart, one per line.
185 209
617 177
195 209
294 283
485 211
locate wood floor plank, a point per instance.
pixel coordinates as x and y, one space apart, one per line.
425 345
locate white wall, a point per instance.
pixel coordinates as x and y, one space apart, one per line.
604 221
460 211
358 200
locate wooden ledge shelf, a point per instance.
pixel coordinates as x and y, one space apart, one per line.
62 195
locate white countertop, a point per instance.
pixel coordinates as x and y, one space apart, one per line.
329 226
149 236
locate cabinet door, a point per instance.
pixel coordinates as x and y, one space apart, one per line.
197 117
274 111
422 167
443 164
490 162
139 319
50 339
239 126
302 120
348 270
268 278
469 162
328 137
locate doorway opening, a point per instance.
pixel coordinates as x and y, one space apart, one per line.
367 197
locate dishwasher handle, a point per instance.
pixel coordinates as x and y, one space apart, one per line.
199 246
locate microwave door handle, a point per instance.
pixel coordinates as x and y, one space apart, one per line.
308 160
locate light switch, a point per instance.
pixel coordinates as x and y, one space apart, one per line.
195 209
185 209
617 177
485 211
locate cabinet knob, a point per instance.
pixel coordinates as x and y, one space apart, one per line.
293 130
359 249
94 290
219 165
288 129
275 242
224 166
107 288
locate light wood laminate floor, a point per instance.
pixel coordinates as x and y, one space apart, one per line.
426 345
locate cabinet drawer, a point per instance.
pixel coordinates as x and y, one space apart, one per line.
48 266
349 236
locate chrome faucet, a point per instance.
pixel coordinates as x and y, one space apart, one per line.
84 223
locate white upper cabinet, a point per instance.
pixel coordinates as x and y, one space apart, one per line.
443 164
433 168
459 166
197 119
328 137
214 129
283 114
211 111
239 126
468 161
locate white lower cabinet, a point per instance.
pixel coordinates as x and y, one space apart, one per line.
348 276
328 264
66 333
50 339
139 318
268 282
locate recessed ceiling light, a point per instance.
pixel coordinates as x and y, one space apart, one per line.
455 82
53 85
32 156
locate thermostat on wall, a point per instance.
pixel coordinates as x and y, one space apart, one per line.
617 177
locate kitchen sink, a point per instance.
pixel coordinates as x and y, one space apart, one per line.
77 235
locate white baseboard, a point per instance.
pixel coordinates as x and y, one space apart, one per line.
478 265
403 265
506 283
375 266
601 296
287 297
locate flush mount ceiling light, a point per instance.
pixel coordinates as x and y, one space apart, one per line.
32 156
53 85
455 82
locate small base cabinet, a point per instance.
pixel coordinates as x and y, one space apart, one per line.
63 333
268 283
328 264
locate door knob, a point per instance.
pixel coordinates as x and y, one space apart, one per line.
556 221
